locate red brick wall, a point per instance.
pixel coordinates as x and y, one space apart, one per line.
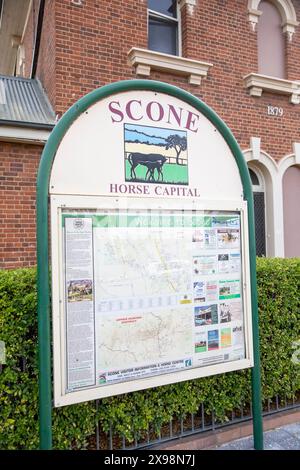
18 167
92 42
46 67
85 47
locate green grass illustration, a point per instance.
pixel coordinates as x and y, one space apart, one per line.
172 173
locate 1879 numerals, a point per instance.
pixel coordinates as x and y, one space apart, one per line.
274 111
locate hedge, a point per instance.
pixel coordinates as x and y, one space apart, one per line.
131 414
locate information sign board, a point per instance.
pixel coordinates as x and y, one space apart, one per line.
150 296
151 264
151 249
152 255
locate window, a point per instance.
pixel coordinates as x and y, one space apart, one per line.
270 42
163 26
276 22
259 213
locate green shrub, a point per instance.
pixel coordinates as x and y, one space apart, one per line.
18 381
131 414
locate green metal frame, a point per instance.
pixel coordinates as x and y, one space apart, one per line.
43 280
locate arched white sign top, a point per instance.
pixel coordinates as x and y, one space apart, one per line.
99 154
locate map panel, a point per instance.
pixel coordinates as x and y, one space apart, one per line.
158 292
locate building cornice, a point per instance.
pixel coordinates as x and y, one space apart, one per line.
144 61
257 83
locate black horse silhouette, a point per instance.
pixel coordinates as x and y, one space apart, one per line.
152 161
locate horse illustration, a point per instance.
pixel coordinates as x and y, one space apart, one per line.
152 161
150 172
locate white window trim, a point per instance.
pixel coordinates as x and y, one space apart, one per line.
290 160
144 61
257 83
260 187
23 135
189 3
283 165
286 10
261 161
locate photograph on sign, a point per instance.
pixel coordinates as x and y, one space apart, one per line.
149 294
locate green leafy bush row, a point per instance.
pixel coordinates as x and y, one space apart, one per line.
131 414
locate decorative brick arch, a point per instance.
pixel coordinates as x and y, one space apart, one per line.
286 10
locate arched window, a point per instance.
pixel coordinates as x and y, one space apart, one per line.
259 212
291 212
270 41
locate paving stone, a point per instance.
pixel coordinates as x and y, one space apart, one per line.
284 438
293 429
240 444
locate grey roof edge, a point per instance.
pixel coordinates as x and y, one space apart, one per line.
27 124
26 104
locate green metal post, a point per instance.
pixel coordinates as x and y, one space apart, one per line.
45 400
255 372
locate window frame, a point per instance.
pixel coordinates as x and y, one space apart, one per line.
161 16
260 188
262 58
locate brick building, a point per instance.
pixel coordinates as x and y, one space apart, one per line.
242 57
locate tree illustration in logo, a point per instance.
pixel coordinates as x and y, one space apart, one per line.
178 143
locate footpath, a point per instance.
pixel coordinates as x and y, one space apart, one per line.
283 438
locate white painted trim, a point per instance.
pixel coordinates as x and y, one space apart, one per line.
190 5
267 167
289 160
255 147
23 135
283 165
273 174
261 186
296 147
257 83
144 61
253 17
179 30
286 10
26 21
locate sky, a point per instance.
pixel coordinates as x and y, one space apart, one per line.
154 135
